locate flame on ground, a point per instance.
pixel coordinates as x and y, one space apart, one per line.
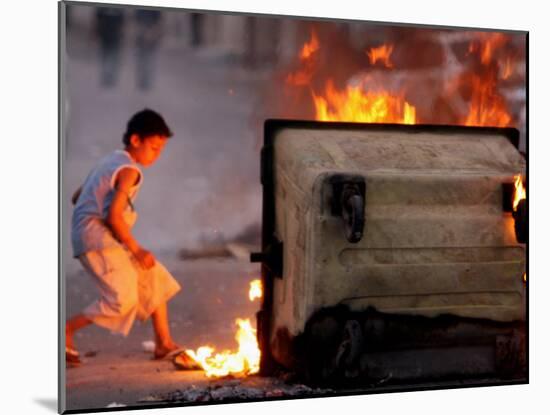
520 193
382 54
355 105
246 360
255 290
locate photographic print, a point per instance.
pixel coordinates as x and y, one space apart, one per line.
259 207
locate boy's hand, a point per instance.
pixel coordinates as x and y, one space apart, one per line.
145 258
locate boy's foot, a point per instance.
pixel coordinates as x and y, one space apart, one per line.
183 361
163 352
72 357
69 342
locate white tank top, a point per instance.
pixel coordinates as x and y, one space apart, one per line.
89 231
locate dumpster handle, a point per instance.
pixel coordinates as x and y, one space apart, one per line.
353 207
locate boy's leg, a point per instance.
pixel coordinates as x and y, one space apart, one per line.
116 278
163 339
71 326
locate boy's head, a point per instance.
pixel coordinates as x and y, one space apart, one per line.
145 136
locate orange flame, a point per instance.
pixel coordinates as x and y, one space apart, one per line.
381 53
310 47
486 45
355 105
246 360
255 290
487 106
507 69
520 191
303 76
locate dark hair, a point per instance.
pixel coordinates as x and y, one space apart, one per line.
146 123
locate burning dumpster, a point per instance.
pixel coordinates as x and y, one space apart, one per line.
392 251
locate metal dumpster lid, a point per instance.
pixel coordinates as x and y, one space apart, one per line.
398 148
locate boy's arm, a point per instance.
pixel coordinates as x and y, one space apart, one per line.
126 178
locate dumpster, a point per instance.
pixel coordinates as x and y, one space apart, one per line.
391 252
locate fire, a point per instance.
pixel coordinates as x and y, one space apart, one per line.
472 95
381 53
487 106
520 191
354 104
255 290
304 75
310 47
486 45
246 360
507 69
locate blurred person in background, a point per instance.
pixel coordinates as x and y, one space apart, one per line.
109 22
148 37
196 29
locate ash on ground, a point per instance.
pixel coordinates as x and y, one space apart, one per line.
250 388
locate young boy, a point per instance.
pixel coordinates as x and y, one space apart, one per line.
132 283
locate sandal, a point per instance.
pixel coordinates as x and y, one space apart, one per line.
183 361
72 357
168 355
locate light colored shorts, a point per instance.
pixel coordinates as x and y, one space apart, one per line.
126 289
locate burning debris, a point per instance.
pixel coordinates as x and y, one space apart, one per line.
245 361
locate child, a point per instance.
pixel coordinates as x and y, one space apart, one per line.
132 283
